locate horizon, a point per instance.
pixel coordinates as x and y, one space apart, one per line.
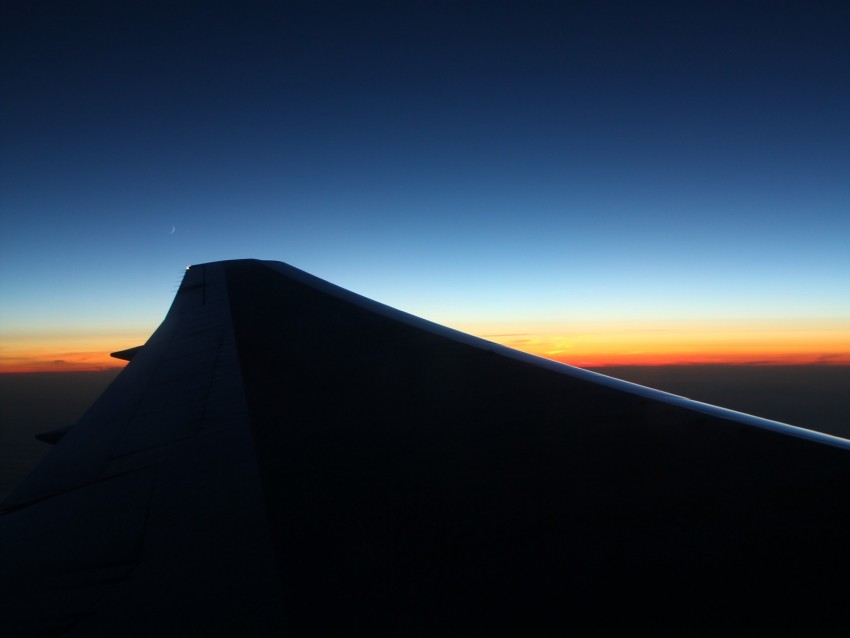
586 345
580 344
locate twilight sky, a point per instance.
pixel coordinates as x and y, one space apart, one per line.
600 182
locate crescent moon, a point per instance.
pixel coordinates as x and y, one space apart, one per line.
172 230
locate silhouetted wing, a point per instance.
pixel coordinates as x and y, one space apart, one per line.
286 457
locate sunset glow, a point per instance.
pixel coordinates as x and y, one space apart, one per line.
583 344
684 342
57 353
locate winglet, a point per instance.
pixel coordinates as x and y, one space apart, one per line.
127 354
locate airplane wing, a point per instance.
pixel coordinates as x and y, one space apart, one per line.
284 457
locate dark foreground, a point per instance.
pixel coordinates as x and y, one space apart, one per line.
284 458
813 397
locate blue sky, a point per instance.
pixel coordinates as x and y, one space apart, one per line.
467 162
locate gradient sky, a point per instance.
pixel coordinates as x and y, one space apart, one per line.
601 182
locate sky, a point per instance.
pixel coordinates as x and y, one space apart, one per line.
603 183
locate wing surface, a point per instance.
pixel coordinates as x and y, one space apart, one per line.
283 457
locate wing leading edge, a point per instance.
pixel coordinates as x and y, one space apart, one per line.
286 456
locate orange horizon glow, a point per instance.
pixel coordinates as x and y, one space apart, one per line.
581 344
678 342
63 353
